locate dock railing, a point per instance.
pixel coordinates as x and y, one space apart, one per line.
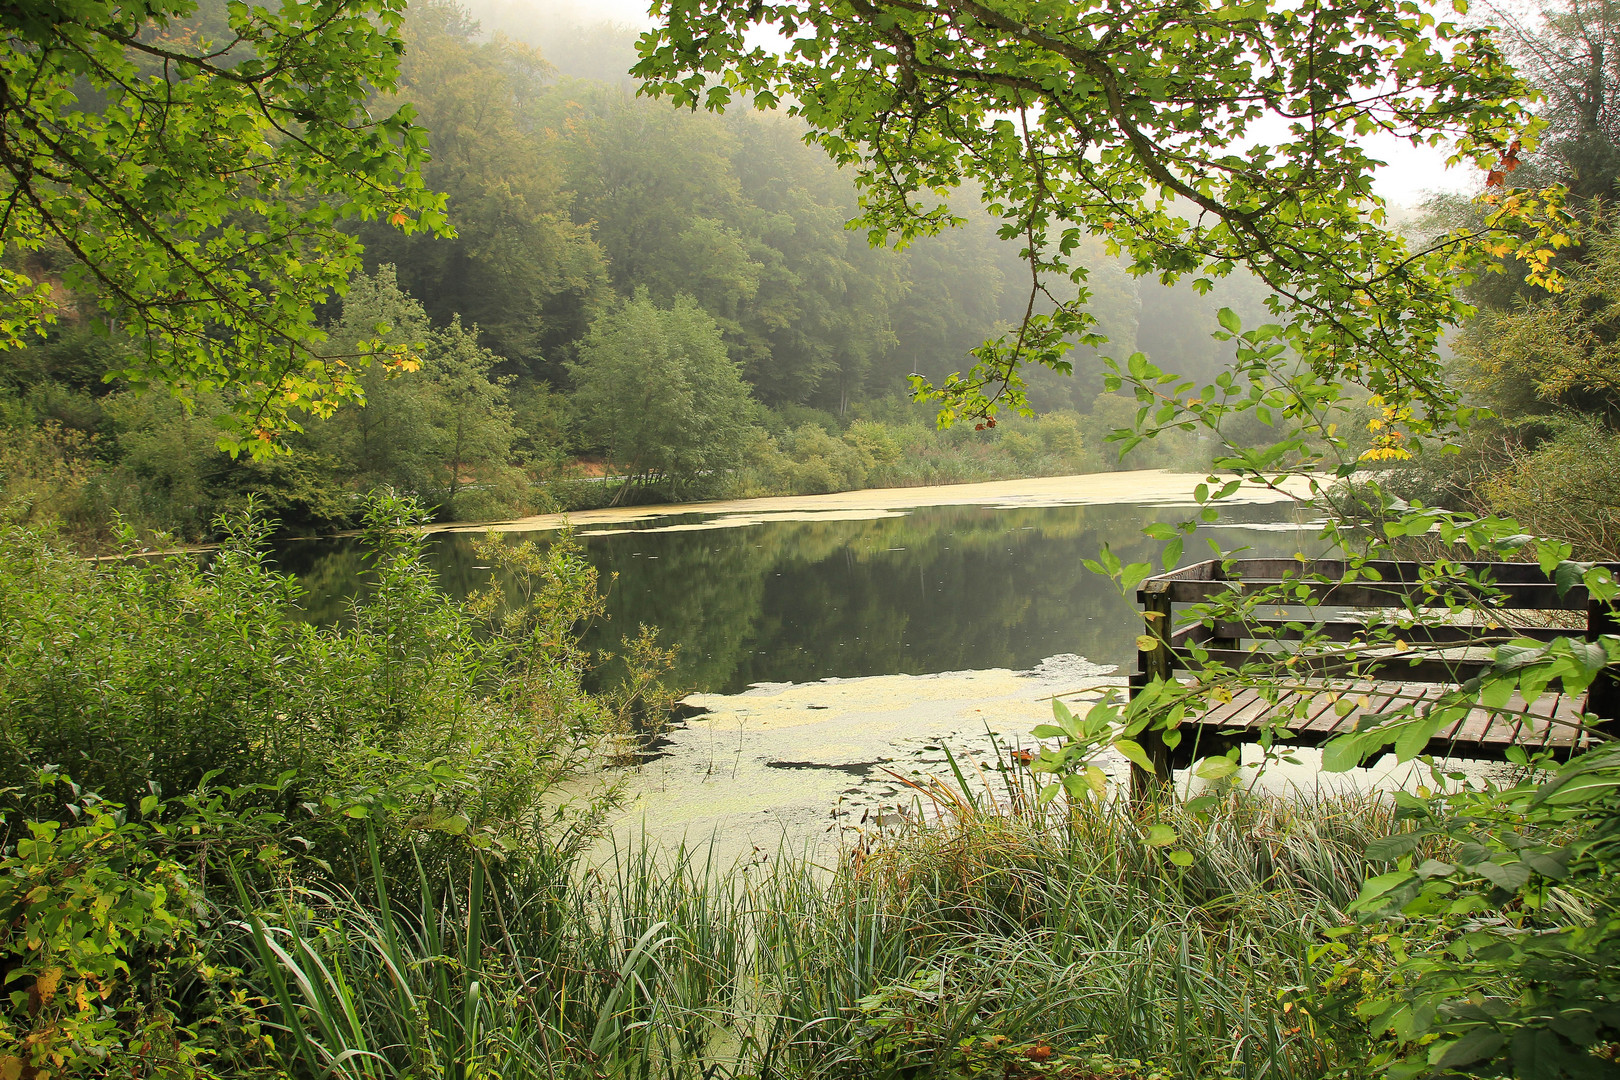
1384 632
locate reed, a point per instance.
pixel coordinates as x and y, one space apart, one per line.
996 937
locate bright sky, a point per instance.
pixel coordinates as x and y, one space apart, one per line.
1411 172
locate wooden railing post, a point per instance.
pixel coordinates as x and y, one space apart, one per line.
1603 695
1155 663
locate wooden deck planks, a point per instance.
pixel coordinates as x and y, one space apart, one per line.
1553 720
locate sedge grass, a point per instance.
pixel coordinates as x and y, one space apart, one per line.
994 926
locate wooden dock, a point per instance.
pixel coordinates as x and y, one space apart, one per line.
1331 696
1554 721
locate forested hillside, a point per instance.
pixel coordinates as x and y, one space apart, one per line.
585 214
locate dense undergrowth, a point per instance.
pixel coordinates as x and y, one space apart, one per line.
984 945
235 844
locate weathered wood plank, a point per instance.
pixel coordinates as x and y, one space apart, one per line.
1506 595
1553 720
1276 629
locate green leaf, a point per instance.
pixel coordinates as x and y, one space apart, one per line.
1160 836
1216 768
1390 848
1229 320
1343 754
1583 789
1097 780
1134 574
1478 1045
1511 876
454 824
1415 735
1133 750
1568 575
1378 886
1496 692
1553 865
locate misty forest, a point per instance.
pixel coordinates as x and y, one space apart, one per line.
809 538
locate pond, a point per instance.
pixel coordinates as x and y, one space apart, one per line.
842 647
814 592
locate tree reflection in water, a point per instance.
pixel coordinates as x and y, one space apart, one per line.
938 589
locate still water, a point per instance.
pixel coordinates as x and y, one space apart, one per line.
943 588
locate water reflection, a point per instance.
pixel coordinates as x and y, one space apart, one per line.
938 589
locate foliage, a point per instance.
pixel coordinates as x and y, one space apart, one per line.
1556 350
443 431
472 428
1088 121
1569 51
1497 957
871 453
657 392
194 164
164 672
535 965
1564 488
520 268
542 599
103 951
45 477
969 943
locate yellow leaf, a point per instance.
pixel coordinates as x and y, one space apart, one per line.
11 1067
1146 642
1400 645
46 982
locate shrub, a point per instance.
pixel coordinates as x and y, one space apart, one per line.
103 932
46 478
1496 956
1565 488
163 672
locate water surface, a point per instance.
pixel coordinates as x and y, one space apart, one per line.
941 588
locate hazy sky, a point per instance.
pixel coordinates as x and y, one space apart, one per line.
1410 174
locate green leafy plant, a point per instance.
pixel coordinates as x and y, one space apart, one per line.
194 164
104 960
1494 956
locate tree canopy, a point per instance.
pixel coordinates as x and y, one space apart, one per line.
193 162
1190 139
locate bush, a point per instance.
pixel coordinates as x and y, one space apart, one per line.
47 479
155 675
1565 488
1495 957
103 929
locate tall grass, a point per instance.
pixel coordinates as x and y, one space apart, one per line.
522 968
982 939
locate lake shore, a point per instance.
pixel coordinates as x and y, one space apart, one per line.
1152 486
